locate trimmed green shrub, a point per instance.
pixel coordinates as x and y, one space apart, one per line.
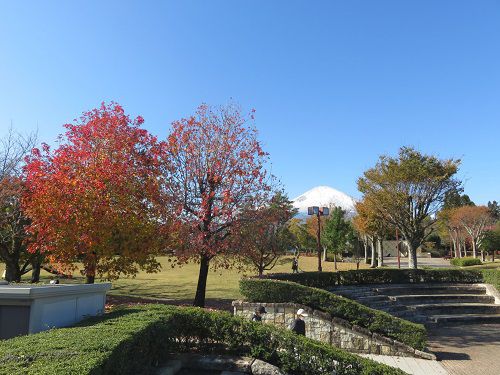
134 340
265 290
492 276
380 276
464 262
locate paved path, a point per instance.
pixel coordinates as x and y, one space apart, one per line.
413 366
467 349
429 262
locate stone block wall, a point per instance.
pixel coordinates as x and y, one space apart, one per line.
334 331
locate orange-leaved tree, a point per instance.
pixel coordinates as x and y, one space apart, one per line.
213 168
94 199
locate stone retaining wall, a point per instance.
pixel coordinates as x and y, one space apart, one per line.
335 331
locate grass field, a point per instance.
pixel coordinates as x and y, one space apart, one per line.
180 283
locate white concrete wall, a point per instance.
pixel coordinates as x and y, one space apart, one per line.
60 305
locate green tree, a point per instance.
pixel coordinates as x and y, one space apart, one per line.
407 191
491 241
304 240
494 209
338 233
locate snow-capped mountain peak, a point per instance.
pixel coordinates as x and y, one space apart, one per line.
324 196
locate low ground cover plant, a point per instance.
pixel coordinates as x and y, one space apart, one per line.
277 291
134 340
464 262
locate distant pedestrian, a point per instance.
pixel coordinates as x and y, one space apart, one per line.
299 326
259 311
295 265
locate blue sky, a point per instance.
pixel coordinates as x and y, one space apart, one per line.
334 83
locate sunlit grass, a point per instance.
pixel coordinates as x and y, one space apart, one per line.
179 283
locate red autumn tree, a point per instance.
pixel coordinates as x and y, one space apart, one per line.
213 167
264 236
91 200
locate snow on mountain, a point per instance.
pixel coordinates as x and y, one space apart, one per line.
324 196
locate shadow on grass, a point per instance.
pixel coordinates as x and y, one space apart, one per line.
118 313
223 304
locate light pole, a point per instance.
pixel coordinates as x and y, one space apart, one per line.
397 246
318 211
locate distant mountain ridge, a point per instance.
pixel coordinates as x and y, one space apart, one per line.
324 196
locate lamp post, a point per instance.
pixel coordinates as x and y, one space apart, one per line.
318 211
397 246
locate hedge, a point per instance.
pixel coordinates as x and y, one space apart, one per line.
265 290
464 262
380 276
492 276
134 340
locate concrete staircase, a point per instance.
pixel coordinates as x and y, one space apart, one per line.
429 304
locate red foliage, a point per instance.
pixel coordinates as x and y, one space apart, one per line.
91 200
213 167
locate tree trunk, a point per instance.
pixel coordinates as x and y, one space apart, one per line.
373 263
261 272
365 245
35 272
335 261
380 254
412 255
474 252
199 299
89 279
90 268
12 271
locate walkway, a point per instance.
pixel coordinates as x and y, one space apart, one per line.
467 349
427 262
413 366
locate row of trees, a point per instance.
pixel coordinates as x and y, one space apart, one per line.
417 195
462 224
112 197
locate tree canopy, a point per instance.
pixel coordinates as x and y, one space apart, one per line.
408 190
92 199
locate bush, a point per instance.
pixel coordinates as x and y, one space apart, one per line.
264 290
133 340
380 276
464 262
492 276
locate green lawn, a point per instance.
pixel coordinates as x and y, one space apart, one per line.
180 283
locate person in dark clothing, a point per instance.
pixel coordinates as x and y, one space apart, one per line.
298 325
295 265
257 316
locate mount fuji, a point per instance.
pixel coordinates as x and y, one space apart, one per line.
324 196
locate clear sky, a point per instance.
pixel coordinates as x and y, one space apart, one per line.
334 83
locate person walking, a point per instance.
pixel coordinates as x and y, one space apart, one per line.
298 325
259 311
295 265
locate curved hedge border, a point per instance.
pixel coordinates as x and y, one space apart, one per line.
465 262
265 290
380 276
135 339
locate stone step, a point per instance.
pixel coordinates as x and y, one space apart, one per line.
442 298
372 299
430 289
456 309
463 319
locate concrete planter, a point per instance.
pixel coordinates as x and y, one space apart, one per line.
28 309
